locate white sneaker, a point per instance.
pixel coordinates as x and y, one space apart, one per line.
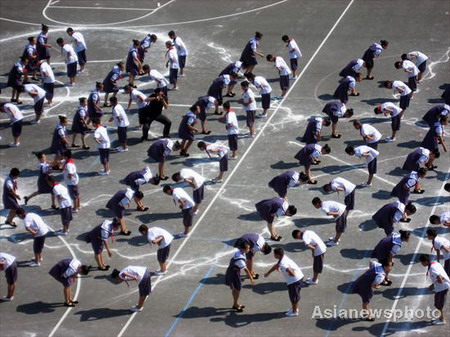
232 158
332 243
14 144
104 173
217 181
119 148
35 122
159 272
291 313
196 212
181 75
181 235
365 184
311 282
437 321
74 210
34 264
389 139
124 150
7 299
134 308
261 115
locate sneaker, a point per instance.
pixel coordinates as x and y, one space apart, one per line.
35 122
437 321
181 235
7 299
124 150
232 157
181 75
104 173
159 272
291 313
217 181
34 264
389 139
119 149
196 212
74 210
310 281
134 308
365 184
332 243
261 115
14 144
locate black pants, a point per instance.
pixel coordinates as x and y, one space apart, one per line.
162 119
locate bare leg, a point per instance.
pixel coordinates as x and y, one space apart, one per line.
235 294
123 226
141 302
11 289
67 295
161 169
369 181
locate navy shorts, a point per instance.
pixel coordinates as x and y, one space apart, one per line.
265 101
49 90
16 129
73 191
423 66
82 59
145 286
439 299
38 244
318 263
182 61
395 122
173 76
11 273
284 82
66 215
104 156
349 201
372 166
188 214
341 223
233 142
223 163
72 69
163 254
199 194
122 134
250 118
404 101
294 64
294 291
412 83
97 246
39 107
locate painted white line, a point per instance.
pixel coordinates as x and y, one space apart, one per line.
113 8
414 257
44 14
77 291
238 164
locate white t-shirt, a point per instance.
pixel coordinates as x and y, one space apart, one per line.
133 270
359 64
247 97
181 195
71 169
294 179
424 156
436 270
398 215
402 86
393 108
172 56
106 230
233 123
138 98
156 76
147 176
282 211
439 244
68 53
101 134
13 112
286 263
333 206
223 150
317 151
33 88
154 232
380 274
62 194
364 149
47 73
418 57
181 46
72 269
445 217
311 238
262 85
369 130
35 222
282 67
342 110
413 178
129 194
410 68
342 183
78 41
294 50
7 259
190 174
120 117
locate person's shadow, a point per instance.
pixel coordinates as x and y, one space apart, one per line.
101 313
393 328
38 307
238 320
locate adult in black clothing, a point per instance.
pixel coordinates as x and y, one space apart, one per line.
153 112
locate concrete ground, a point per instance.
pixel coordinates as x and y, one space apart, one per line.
192 300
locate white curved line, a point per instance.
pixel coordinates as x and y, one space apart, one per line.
44 13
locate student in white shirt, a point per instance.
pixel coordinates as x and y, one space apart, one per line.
8 263
34 224
339 212
293 276
48 79
195 180
71 179
420 59
172 60
264 89
444 219
38 96
249 102
283 70
294 53
161 238
318 248
442 247
121 122
370 135
396 114
154 75
222 152
186 204
412 71
65 203
370 155
401 88
79 46
182 51
343 185
103 144
70 59
15 118
440 286
232 128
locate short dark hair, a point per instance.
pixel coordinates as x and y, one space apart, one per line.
398 64
69 30
258 35
113 99
350 150
15 172
387 84
245 83
326 149
285 38
167 188
139 195
326 121
20 211
384 43
67 153
404 235
176 177
435 220
115 273
51 179
250 76
349 112
279 251
432 232
410 208
295 233
436 153
84 269
226 105
377 109
143 228
146 67
155 180
243 245
447 187
201 144
269 57
404 57
171 33
39 155
327 187
424 258
266 249
59 40
82 99
316 201
292 209
153 37
96 121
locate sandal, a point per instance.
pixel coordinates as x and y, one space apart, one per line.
238 309
69 304
125 233
278 238
206 132
74 302
106 105
75 145
336 136
55 207
103 268
312 182
418 191
218 113
142 209
163 178
86 147
369 77
256 276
